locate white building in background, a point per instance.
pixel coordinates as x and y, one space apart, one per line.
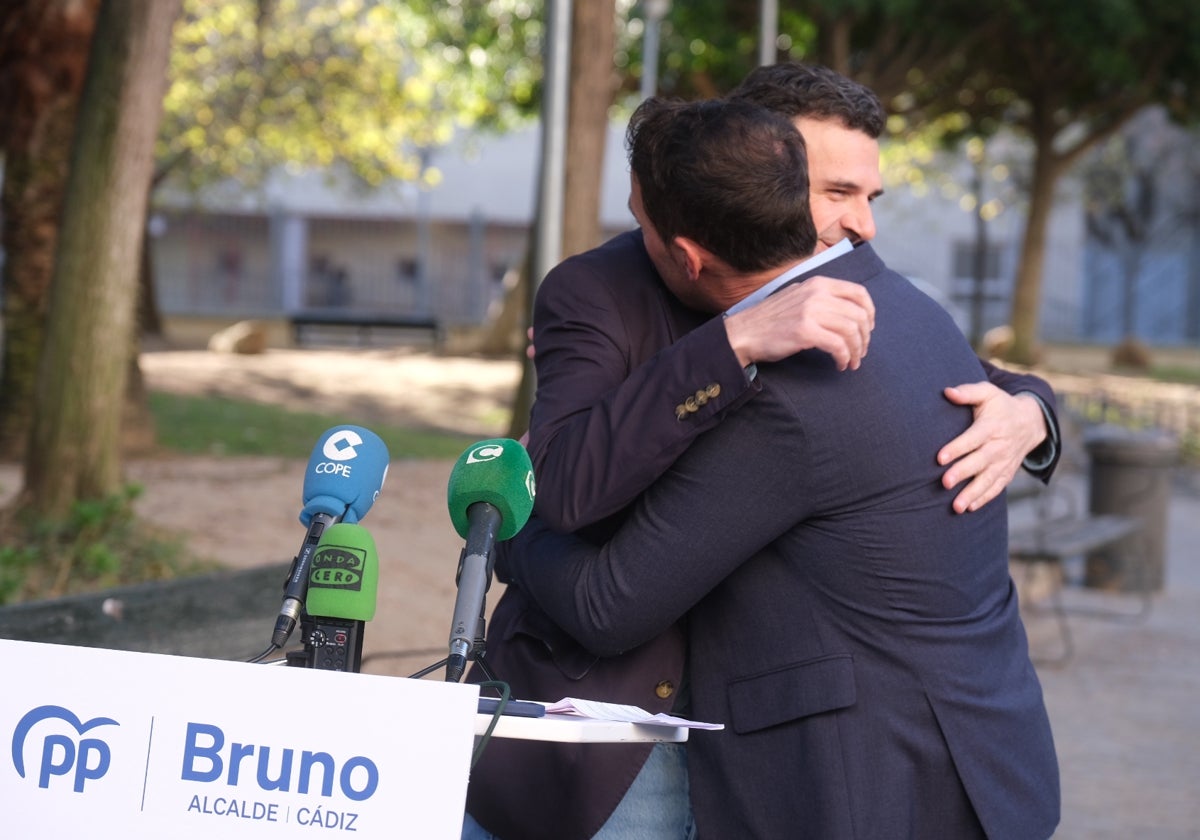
934 236
1095 289
442 253
305 243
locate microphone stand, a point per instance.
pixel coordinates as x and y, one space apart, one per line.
474 579
295 587
478 649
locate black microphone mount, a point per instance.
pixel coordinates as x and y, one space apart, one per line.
296 587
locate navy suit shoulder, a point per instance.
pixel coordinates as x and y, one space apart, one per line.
863 262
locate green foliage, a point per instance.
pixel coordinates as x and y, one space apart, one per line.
708 46
501 44
99 544
218 426
985 62
365 84
895 46
1062 66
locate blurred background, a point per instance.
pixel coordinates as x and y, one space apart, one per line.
226 225
249 177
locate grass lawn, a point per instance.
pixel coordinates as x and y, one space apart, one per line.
217 426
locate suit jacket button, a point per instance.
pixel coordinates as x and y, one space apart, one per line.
690 404
664 689
701 397
681 412
713 390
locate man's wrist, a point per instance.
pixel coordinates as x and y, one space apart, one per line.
1043 454
739 339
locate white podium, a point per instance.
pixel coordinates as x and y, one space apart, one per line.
142 746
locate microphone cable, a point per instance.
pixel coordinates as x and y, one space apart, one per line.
505 694
262 656
501 687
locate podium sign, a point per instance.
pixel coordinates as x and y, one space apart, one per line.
102 743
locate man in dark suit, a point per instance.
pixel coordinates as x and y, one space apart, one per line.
859 639
614 348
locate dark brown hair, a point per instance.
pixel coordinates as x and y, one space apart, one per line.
727 174
810 90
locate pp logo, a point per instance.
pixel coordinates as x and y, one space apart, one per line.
340 445
487 452
90 757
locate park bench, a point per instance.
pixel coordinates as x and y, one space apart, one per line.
1060 532
363 325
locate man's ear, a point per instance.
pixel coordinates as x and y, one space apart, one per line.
692 256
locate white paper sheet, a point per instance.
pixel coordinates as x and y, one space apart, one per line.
628 714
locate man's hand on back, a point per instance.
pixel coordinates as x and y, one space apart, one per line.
989 453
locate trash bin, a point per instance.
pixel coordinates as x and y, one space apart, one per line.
1130 476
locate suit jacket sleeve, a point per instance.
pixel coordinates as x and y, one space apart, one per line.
604 423
614 597
1047 454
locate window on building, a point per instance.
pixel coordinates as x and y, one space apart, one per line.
987 301
964 260
408 270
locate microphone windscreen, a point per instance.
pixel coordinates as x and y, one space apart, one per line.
498 472
344 580
344 475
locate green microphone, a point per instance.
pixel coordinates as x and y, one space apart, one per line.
490 497
497 472
342 586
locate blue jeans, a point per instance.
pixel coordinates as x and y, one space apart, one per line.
656 806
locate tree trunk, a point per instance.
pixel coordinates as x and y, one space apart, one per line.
43 55
504 333
593 84
834 39
90 329
1027 293
518 423
1131 267
139 434
32 199
149 317
1191 328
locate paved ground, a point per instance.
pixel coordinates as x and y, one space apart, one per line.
1126 707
